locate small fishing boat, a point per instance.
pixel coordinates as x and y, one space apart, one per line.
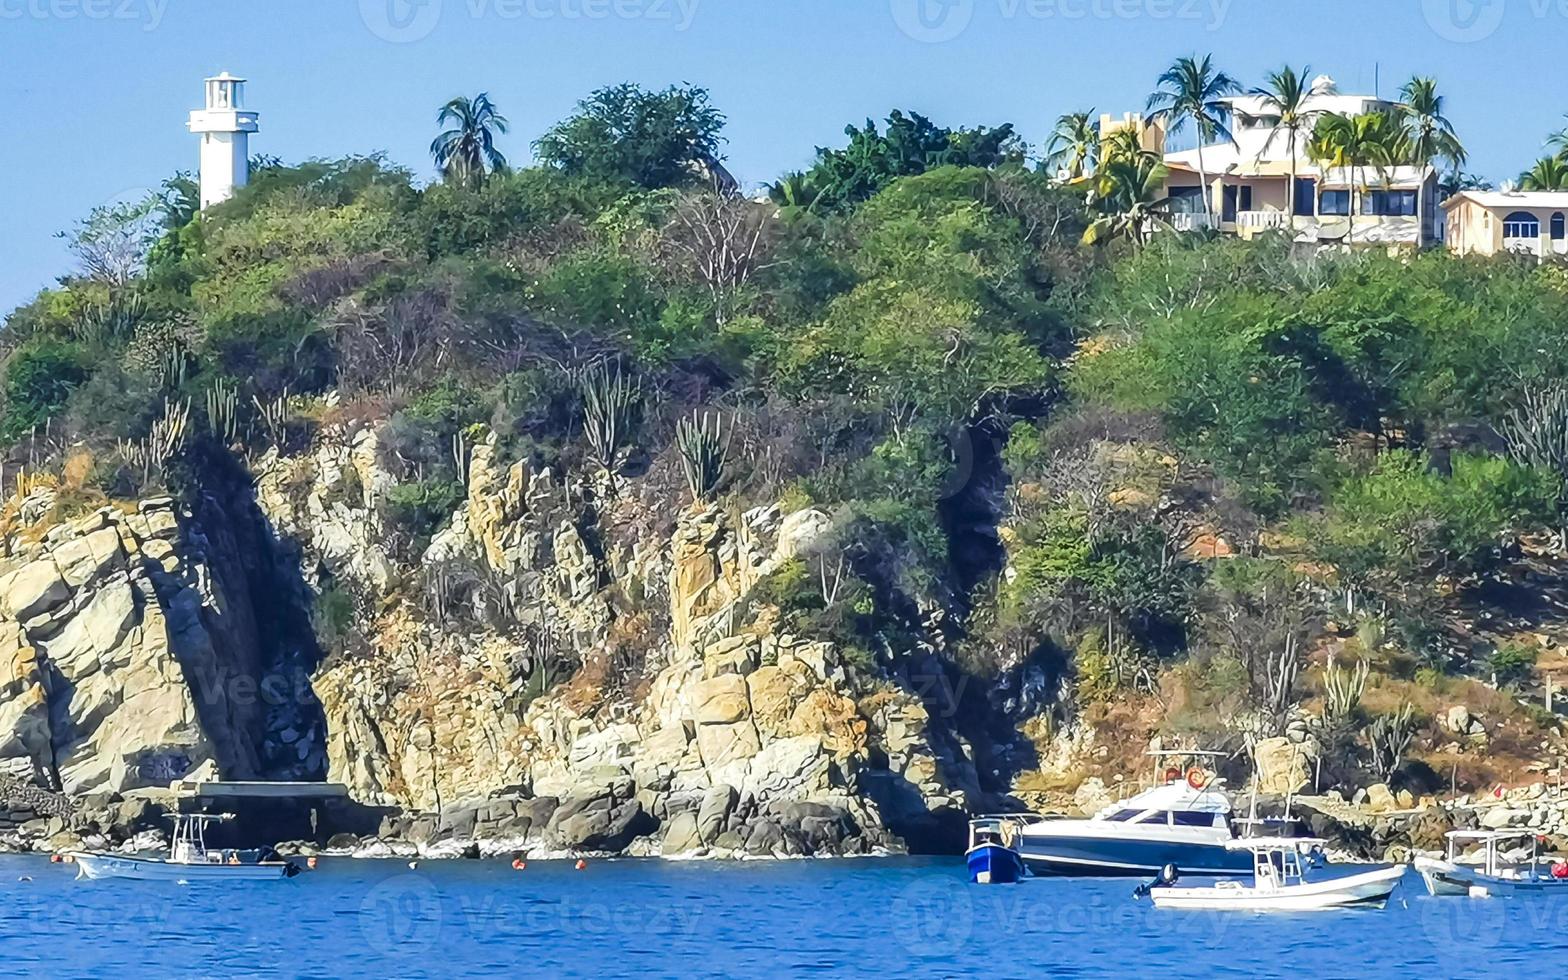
1488 873
991 856
189 859
1278 883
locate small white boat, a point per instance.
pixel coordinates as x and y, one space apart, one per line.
1488 874
188 860
1278 883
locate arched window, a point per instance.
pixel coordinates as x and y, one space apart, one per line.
1559 227
1521 224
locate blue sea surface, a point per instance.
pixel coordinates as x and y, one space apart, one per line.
648 918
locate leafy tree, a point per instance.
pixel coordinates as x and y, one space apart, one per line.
1191 92
465 152
39 377
626 134
911 145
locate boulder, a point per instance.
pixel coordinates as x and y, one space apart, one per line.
32 590
681 835
1284 766
721 700
596 823
717 805
1381 799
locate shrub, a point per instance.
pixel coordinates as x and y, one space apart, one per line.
39 378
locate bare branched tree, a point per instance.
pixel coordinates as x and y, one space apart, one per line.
719 237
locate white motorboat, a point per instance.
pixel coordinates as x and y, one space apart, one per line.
1489 873
189 859
1183 820
1280 885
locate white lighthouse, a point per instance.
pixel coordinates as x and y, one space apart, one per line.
225 127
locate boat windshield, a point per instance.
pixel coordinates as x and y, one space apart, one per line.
1175 818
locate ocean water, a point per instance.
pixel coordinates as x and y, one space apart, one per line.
647 918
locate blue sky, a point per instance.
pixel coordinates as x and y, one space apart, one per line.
95 92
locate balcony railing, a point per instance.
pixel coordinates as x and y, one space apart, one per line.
1190 221
1262 220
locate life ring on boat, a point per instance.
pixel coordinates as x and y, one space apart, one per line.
1172 774
1560 872
1197 778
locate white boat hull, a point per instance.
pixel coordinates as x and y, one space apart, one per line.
92 865
1445 877
1370 888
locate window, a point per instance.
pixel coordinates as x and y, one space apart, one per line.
1191 818
1305 188
1390 204
1246 199
1335 203
1187 200
1559 232
1521 224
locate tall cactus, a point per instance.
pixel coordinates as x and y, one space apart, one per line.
1537 435
223 408
1343 690
610 406
704 450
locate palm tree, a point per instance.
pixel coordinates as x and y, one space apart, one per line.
1074 145
1559 141
1353 143
796 193
1428 133
1126 144
465 152
1191 91
1285 95
1548 174
1129 194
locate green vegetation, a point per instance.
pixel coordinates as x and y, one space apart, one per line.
1034 449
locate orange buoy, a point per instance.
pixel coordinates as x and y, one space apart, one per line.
54 859
582 865
518 864
1172 774
310 862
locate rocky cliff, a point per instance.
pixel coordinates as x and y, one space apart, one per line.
537 670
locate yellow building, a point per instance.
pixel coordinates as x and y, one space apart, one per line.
1492 222
1249 181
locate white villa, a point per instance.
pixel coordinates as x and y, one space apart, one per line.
1249 181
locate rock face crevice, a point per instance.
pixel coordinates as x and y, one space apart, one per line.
541 670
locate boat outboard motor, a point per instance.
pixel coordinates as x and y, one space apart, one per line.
1167 877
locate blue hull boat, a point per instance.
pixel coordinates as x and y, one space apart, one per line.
993 864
